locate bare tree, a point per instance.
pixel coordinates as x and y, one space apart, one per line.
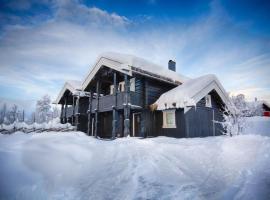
3 113
13 113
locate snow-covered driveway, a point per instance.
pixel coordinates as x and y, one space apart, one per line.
75 166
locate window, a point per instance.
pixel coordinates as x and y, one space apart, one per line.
121 86
208 102
132 84
111 89
169 119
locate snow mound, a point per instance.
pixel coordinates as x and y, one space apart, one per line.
74 166
53 124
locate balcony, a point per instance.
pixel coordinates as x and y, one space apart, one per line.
107 102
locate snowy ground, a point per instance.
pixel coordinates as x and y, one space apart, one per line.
74 166
257 125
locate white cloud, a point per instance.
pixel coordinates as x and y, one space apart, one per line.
38 59
73 11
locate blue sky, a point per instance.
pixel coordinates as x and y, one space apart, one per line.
43 43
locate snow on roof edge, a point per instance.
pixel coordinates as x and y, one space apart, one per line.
125 62
71 85
191 92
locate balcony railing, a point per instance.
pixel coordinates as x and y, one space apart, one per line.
107 102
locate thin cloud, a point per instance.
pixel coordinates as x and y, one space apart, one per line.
37 59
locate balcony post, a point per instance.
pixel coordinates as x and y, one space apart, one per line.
115 113
127 107
65 116
77 113
89 112
73 110
96 111
62 113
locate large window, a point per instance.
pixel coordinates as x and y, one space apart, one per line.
169 119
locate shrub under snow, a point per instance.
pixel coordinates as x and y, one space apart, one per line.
53 124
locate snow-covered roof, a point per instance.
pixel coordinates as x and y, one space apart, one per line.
266 103
258 103
129 64
72 86
191 92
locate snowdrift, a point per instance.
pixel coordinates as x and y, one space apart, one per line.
74 166
257 125
51 125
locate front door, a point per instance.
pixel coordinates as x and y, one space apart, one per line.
136 124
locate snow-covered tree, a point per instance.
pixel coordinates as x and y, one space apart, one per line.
255 108
43 109
235 121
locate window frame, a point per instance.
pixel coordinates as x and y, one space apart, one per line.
111 89
165 118
208 101
132 84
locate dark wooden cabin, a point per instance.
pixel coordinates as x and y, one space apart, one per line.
120 97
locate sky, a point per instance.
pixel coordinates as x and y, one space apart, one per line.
44 43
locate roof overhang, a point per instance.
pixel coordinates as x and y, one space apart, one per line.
110 63
194 97
68 86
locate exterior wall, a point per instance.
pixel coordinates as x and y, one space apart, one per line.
154 127
149 90
200 122
154 89
197 122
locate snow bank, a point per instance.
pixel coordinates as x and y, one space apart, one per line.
74 166
257 125
54 124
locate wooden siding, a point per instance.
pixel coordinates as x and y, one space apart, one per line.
154 90
200 122
155 122
107 102
197 122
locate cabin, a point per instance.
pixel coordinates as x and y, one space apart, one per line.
266 109
124 95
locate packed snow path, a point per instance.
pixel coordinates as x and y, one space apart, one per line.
74 166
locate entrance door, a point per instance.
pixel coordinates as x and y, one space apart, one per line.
136 124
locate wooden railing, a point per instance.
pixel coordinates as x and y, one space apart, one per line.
107 102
